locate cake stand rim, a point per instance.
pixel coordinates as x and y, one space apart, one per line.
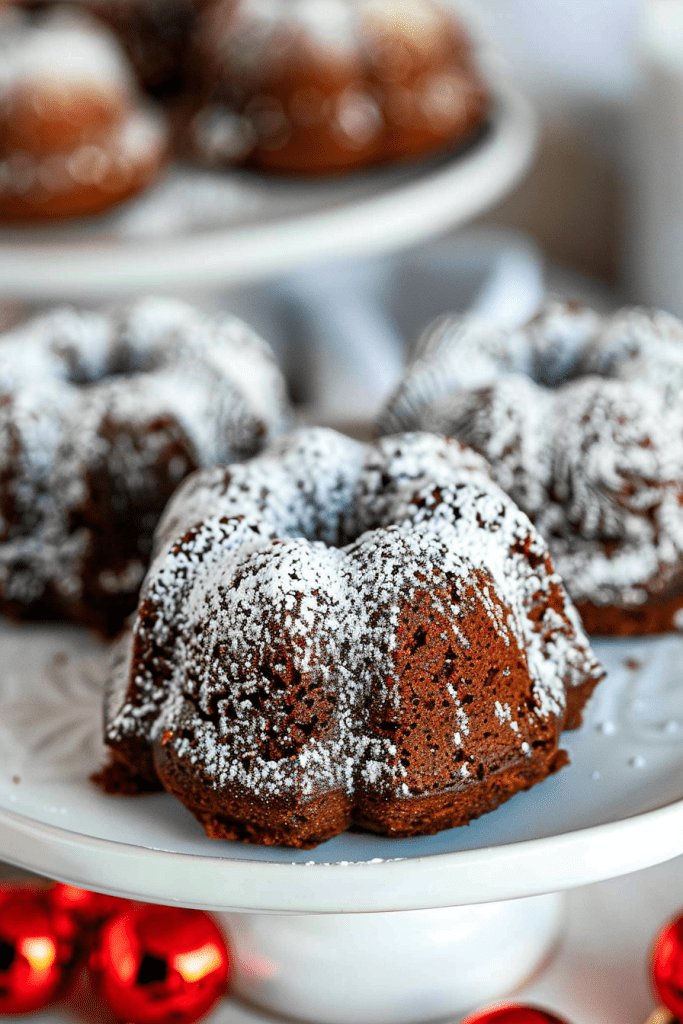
428 881
444 194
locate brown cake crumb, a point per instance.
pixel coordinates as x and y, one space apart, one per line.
118 779
336 632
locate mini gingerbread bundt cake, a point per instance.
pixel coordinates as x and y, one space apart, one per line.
325 86
580 416
74 138
101 416
336 632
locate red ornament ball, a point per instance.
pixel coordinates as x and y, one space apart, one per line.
159 965
36 950
88 908
514 1014
667 966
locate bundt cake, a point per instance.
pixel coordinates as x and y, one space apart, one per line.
580 416
335 632
74 137
321 86
101 416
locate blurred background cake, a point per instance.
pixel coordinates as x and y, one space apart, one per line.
75 137
321 86
301 87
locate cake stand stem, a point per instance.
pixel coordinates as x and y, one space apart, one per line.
391 968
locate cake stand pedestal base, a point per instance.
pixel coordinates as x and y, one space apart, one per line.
393 968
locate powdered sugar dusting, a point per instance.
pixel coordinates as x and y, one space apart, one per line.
262 33
375 68
580 417
70 116
292 571
64 46
88 393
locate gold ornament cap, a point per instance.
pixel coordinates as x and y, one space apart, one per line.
661 1016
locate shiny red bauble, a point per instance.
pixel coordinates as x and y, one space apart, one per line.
667 966
159 965
36 950
513 1014
87 908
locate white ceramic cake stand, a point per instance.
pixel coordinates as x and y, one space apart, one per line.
208 229
474 909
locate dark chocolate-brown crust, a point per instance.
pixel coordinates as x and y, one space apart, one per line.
117 779
403 663
240 816
443 800
122 532
304 826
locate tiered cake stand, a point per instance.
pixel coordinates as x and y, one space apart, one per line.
473 910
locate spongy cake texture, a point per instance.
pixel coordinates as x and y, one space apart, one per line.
335 632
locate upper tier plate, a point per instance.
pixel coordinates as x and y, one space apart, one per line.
214 229
617 808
